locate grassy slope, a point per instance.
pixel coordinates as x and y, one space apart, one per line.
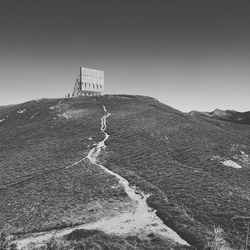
174 151
37 192
162 150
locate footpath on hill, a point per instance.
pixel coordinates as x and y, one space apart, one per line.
141 221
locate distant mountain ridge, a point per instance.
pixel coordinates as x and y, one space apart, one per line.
227 115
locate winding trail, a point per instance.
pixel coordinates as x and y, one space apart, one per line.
141 221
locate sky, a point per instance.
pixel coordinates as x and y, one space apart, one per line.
191 55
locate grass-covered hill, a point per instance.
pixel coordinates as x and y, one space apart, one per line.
196 168
227 115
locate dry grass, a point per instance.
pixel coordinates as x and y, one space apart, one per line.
37 190
163 151
173 152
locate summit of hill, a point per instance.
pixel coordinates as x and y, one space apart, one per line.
194 167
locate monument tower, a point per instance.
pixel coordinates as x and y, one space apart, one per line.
90 82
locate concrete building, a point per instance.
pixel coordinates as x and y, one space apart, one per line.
90 82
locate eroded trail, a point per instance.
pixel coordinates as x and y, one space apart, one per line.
141 221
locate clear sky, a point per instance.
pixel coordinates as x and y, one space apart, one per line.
190 55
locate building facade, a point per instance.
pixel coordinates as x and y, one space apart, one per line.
90 82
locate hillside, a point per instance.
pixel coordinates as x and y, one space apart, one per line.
194 167
227 115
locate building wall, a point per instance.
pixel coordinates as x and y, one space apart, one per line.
90 82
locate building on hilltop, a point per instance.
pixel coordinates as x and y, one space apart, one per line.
90 82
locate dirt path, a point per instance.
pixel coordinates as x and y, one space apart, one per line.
141 221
